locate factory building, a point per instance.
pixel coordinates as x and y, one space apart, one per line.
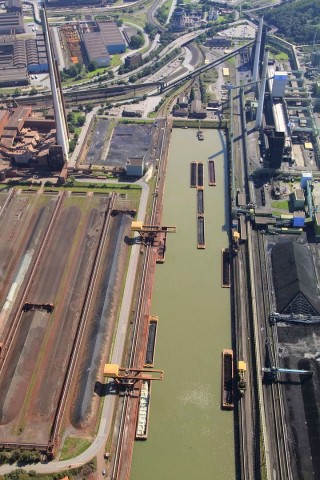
13 6
278 84
135 167
11 24
101 40
294 279
134 60
37 60
29 141
112 37
96 48
298 199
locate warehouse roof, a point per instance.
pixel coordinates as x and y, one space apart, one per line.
294 279
94 44
111 33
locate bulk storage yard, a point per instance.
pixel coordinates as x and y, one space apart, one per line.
62 264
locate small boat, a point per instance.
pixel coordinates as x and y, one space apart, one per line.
200 135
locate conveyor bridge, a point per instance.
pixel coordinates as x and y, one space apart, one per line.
293 318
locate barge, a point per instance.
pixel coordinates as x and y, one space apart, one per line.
200 201
193 174
143 413
225 267
200 232
212 173
161 249
227 380
200 174
151 345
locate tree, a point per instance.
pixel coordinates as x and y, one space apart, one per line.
136 41
33 91
92 66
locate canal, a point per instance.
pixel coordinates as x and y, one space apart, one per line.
190 437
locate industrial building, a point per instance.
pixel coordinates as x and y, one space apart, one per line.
102 39
112 37
134 60
28 140
96 49
13 6
135 167
11 24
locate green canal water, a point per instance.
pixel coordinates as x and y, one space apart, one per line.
190 437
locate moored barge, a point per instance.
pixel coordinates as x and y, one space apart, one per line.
212 173
151 344
193 174
143 413
225 267
227 380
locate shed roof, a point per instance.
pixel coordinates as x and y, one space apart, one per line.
294 279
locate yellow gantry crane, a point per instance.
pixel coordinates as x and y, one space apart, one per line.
129 376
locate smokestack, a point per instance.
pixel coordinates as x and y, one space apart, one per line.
257 52
59 113
262 90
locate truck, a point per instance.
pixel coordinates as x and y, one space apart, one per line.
242 384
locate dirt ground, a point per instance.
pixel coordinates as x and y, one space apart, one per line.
31 382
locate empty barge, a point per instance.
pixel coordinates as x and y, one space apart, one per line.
200 232
227 380
151 345
143 413
200 201
212 173
200 174
225 267
193 174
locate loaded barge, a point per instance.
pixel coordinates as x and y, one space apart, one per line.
151 345
227 380
144 408
193 174
200 174
212 173
225 267
161 248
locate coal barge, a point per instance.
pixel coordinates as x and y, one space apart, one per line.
151 345
193 174
225 267
227 380
212 173
200 174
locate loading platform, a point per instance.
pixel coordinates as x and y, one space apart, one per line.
193 174
212 173
151 344
200 232
200 201
200 174
225 259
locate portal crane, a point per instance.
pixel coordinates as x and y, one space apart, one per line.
129 376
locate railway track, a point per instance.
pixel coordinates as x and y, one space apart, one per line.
82 324
280 430
137 321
